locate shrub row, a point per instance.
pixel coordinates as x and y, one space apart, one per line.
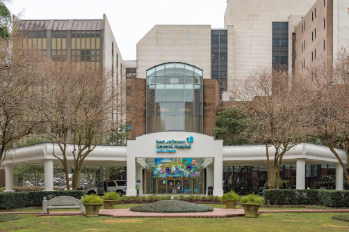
172 206
30 189
330 198
10 200
153 198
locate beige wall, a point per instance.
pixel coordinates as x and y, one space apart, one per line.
340 26
173 43
324 57
252 22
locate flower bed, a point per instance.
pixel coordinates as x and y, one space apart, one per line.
171 206
153 198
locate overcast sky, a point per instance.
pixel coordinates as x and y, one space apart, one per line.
130 20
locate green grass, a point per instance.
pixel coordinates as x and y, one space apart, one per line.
8 217
266 222
341 217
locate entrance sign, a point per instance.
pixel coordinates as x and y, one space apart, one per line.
171 146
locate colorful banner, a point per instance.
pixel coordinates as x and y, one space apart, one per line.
183 168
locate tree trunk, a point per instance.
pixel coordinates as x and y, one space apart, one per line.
76 178
66 176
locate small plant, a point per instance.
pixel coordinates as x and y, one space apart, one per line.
182 197
191 198
152 198
204 198
113 196
92 199
197 198
216 198
341 217
230 196
176 198
251 199
126 199
140 199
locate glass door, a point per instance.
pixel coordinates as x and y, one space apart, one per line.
187 188
161 186
170 187
178 186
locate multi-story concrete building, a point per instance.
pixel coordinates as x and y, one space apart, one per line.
183 72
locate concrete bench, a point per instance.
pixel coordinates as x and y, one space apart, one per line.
62 202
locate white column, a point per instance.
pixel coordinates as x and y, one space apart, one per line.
300 172
48 166
218 177
139 175
131 177
209 177
339 177
8 178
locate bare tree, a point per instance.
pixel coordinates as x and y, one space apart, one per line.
329 111
275 113
21 74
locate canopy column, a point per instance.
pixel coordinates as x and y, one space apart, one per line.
48 166
300 174
8 178
339 177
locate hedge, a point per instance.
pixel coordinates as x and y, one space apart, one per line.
9 200
30 189
330 198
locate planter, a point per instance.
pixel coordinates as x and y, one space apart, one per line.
230 204
92 209
109 204
251 210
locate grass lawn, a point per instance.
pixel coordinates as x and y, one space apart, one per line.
265 222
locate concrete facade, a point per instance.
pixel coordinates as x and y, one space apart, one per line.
189 44
252 22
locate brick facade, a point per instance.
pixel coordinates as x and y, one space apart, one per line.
138 108
211 102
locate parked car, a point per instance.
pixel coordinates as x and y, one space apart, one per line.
118 186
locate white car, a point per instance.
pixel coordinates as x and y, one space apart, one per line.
118 186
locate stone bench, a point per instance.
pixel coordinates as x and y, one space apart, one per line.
62 202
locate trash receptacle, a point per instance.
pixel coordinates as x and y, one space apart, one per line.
210 190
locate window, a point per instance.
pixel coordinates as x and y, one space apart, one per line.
131 73
315 13
312 56
86 47
324 3
219 58
111 184
315 33
304 44
304 63
312 36
312 16
324 46
174 98
324 23
280 45
304 26
315 54
121 182
302 47
35 40
59 45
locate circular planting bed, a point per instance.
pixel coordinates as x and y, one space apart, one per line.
171 206
341 217
8 217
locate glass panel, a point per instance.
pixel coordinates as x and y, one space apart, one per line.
179 122
188 123
170 187
160 71
160 93
151 72
160 123
78 43
88 43
178 187
98 43
189 71
169 108
151 124
179 93
170 70
73 41
64 43
93 43
187 186
169 123
161 186
179 109
179 70
44 43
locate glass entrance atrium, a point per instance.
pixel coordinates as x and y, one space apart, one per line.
174 98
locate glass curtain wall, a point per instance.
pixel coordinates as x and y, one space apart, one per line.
219 58
174 98
280 45
86 47
35 40
59 45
